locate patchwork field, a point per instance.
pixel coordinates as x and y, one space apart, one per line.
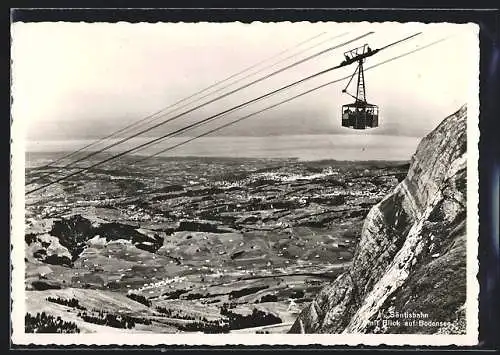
193 244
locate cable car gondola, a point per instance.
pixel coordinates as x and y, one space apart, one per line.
360 114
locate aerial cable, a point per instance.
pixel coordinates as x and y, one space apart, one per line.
161 113
267 67
152 119
216 99
218 115
195 94
210 118
283 102
195 124
156 141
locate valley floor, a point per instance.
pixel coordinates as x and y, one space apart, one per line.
193 244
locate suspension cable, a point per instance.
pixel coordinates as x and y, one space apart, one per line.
232 109
284 101
270 94
189 97
210 101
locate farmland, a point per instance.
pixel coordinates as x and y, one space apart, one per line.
194 244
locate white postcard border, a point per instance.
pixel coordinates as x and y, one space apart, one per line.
128 338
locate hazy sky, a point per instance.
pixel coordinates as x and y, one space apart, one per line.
77 80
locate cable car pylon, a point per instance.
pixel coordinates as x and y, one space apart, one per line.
361 114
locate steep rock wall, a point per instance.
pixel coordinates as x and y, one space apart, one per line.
411 255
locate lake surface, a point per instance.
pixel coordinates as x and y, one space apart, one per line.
303 147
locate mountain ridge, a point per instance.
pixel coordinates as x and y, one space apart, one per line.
411 255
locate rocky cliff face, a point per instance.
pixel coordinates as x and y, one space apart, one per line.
411 257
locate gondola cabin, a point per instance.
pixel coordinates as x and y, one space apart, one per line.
360 115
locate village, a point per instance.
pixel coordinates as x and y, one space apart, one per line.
250 235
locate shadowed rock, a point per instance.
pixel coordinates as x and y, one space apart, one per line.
412 255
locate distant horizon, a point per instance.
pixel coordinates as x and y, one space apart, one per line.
243 158
342 147
348 132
